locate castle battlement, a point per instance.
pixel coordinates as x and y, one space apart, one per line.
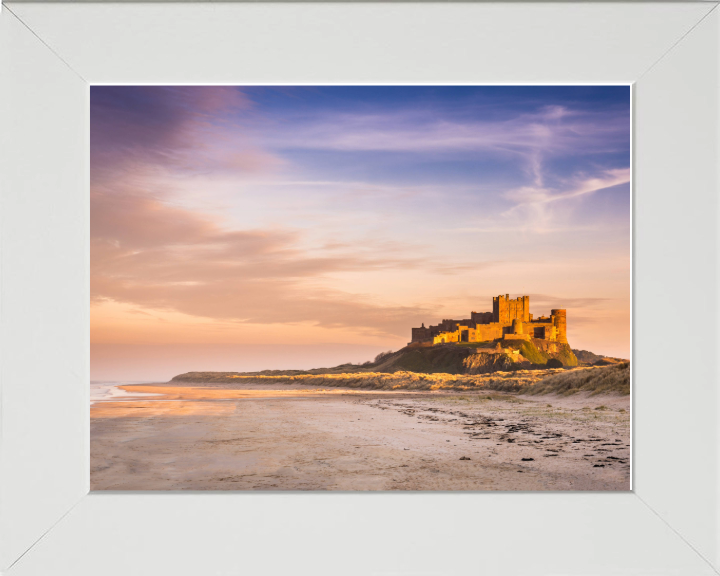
509 320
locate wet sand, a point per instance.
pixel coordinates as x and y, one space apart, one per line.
270 437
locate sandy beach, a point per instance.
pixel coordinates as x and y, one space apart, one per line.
257 436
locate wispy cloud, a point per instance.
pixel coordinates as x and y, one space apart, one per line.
554 130
579 186
564 301
190 129
535 207
150 254
542 210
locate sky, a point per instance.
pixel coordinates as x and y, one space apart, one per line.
275 227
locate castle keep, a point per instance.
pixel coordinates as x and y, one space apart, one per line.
509 320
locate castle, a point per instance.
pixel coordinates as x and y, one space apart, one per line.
509 320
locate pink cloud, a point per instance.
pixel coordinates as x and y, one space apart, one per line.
185 128
154 255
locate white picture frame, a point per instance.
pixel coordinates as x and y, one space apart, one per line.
50 53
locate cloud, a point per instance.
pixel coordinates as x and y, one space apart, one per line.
550 146
579 186
540 209
552 130
548 301
193 129
153 255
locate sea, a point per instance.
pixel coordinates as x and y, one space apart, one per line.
102 391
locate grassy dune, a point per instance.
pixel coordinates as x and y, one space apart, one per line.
532 353
596 379
605 380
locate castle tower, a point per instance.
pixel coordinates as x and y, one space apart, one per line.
560 322
501 312
506 310
517 326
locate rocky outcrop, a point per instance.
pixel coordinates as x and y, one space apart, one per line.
490 362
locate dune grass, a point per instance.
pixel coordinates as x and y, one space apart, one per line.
401 380
605 380
608 379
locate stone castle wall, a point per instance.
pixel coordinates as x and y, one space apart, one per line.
509 319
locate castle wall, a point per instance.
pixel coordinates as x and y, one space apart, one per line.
481 317
421 335
508 318
486 332
448 325
481 333
445 337
542 329
516 337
